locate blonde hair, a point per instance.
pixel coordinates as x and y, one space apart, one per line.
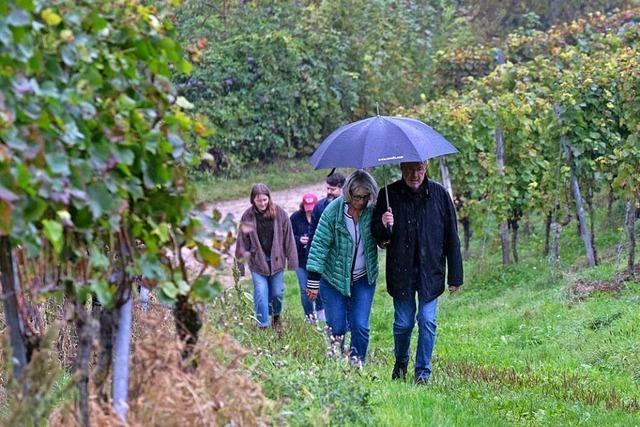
360 179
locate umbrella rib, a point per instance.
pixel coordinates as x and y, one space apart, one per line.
364 146
408 138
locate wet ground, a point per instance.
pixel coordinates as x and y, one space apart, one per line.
288 199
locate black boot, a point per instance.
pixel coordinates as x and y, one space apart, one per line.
399 371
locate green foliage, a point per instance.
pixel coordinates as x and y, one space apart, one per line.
578 89
275 78
513 348
304 387
95 145
386 174
458 66
43 386
333 390
264 96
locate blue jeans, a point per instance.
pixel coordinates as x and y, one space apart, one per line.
307 304
268 293
404 320
354 310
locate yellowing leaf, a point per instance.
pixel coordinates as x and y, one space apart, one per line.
208 256
200 129
154 22
50 17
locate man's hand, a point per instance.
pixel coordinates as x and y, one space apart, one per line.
453 289
304 239
387 219
312 294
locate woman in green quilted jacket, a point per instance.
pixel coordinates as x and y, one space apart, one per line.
343 263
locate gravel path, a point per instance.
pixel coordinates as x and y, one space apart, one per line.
288 199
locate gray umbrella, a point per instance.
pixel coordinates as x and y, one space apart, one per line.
380 140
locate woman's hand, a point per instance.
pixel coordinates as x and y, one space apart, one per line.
245 256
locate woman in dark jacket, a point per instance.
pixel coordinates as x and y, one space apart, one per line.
265 241
301 225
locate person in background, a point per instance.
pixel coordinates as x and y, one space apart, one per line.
417 226
301 224
334 183
345 256
266 243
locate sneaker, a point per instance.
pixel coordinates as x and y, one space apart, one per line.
399 371
335 345
356 362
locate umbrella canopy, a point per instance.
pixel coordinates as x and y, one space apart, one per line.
378 141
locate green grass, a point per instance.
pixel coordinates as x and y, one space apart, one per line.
513 348
278 176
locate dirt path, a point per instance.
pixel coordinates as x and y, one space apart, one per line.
288 199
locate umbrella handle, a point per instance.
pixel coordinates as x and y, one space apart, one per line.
389 226
386 192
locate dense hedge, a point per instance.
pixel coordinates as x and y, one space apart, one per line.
275 78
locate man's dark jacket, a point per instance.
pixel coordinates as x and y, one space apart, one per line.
316 214
426 218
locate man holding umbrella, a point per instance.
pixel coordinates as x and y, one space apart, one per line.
415 220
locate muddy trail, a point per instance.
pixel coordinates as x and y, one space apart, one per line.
289 199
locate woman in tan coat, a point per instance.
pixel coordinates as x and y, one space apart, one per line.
266 244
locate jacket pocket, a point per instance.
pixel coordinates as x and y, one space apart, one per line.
437 271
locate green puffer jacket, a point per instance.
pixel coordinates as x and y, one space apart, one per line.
331 254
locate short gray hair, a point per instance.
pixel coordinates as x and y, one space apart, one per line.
360 179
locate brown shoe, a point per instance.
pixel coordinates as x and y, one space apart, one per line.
277 324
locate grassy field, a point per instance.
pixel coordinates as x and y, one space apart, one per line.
278 176
529 344
519 345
